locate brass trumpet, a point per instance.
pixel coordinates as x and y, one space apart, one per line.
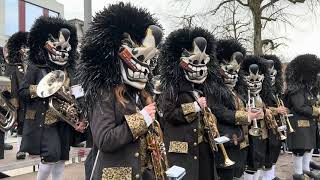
273 125
254 130
210 127
284 118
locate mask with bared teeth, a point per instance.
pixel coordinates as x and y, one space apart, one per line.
230 69
135 58
254 79
194 62
58 47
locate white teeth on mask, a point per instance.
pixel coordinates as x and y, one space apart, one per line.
130 72
194 68
141 76
136 75
139 67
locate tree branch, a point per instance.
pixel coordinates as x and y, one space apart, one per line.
268 18
296 1
269 4
214 11
242 3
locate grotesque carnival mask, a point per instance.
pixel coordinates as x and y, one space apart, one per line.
254 79
135 58
230 70
272 71
58 48
194 62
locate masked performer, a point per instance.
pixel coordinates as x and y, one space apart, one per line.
229 108
276 135
15 69
301 76
258 85
53 45
114 69
187 77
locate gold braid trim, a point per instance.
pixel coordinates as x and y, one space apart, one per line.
137 124
315 111
241 118
117 173
188 108
178 147
273 110
33 91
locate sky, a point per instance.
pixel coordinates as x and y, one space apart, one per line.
303 38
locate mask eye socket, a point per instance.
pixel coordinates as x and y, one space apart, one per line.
58 48
203 62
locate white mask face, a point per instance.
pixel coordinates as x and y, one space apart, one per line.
58 48
231 69
135 59
194 63
254 80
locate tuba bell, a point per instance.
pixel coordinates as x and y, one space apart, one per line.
8 112
62 104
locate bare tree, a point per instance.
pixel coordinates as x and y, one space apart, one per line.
263 11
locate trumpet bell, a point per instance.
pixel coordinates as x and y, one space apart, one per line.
51 83
255 132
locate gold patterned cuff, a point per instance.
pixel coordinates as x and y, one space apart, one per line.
273 110
33 91
137 124
191 117
241 118
315 111
188 108
178 147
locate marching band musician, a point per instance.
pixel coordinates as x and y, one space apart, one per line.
15 69
258 85
274 140
114 69
229 108
188 75
53 45
301 77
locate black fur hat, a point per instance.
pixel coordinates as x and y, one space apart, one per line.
278 86
226 47
15 42
99 66
1 55
172 74
265 93
39 34
302 72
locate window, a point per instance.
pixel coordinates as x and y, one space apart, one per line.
11 21
53 14
32 13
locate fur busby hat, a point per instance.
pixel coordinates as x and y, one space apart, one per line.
15 42
172 75
100 67
265 92
226 48
46 28
278 85
1 55
302 72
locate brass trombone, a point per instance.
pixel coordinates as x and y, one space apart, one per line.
284 118
254 130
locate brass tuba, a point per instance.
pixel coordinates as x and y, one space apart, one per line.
61 102
8 113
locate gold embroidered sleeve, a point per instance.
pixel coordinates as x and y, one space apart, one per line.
33 91
315 111
241 118
273 110
188 108
137 124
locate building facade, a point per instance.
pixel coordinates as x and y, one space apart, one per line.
19 15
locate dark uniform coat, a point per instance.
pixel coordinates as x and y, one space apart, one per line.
120 134
300 98
43 133
188 146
